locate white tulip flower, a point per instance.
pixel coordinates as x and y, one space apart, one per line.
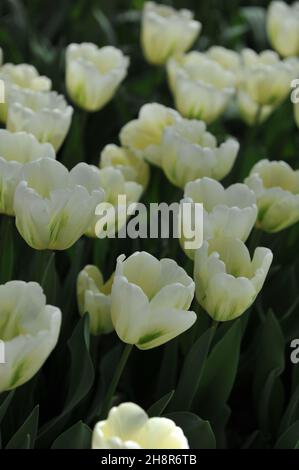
264 82
20 76
112 182
202 88
250 111
24 76
229 212
16 150
43 114
132 166
283 27
227 58
93 74
190 152
129 427
143 135
52 211
29 329
227 280
276 186
166 31
94 298
150 300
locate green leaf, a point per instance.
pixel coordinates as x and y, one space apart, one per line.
7 248
256 18
5 404
267 388
167 375
191 373
105 26
198 431
81 378
219 373
25 437
159 406
291 412
289 439
106 371
49 278
73 150
76 437
82 372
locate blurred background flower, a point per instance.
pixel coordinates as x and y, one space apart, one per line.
93 75
166 31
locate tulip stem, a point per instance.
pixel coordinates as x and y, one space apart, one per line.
113 385
255 239
49 259
213 329
7 249
257 118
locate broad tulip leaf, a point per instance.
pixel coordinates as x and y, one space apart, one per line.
198 431
5 404
76 437
267 387
167 375
219 373
191 373
81 378
289 439
25 437
159 407
291 412
105 372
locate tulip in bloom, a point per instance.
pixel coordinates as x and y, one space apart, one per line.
283 28
166 31
228 212
202 88
29 329
44 114
132 166
20 76
227 58
16 150
227 280
24 76
93 74
94 298
52 211
264 82
150 300
113 183
276 186
143 135
129 427
190 152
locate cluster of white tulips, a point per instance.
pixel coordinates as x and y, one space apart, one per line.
147 300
